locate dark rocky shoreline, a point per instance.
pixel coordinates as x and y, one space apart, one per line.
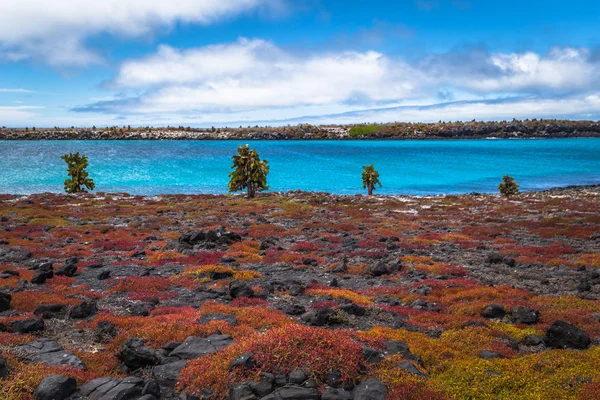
534 129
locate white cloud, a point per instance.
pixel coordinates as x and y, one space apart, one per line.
562 68
15 90
17 115
578 107
250 78
252 74
56 31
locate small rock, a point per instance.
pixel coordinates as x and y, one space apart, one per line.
509 261
240 289
48 311
370 389
229 318
378 269
55 387
103 275
245 360
353 309
294 309
134 354
494 258
83 310
297 376
336 394
3 367
524 315
584 287
5 299
194 346
488 355
28 325
411 368
105 331
532 340
241 392
493 311
67 270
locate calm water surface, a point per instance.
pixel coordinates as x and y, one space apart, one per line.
406 167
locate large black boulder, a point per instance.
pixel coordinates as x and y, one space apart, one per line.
55 387
49 352
135 354
111 389
167 375
562 335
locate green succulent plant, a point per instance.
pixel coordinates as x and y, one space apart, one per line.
508 187
370 178
249 172
78 181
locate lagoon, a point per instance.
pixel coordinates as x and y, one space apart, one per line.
423 167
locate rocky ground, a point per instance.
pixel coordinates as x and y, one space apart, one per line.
300 296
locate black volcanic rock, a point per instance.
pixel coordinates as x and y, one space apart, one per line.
562 335
28 325
135 354
48 311
5 299
524 315
55 387
493 311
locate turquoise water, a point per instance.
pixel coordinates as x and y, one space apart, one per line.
406 167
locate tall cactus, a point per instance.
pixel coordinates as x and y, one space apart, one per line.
249 172
370 178
76 165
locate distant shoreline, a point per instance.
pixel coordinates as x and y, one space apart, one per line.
528 129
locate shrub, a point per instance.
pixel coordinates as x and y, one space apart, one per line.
76 165
508 187
363 130
284 349
249 172
370 178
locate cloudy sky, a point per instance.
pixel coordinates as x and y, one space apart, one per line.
240 62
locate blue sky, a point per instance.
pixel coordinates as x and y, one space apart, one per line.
241 62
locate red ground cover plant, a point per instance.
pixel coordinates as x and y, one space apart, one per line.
283 349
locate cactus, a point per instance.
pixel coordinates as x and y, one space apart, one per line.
76 165
249 172
370 178
508 187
